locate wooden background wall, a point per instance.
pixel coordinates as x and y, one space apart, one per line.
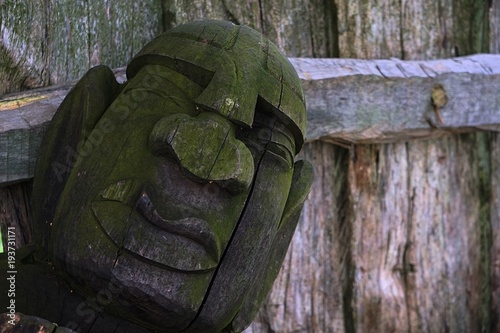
397 237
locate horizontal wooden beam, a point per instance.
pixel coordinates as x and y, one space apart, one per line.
373 101
349 101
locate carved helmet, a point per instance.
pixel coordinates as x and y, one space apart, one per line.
238 67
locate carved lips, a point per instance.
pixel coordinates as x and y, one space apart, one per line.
194 228
187 244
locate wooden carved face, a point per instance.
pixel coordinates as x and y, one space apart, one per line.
186 212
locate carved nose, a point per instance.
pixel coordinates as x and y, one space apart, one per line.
206 147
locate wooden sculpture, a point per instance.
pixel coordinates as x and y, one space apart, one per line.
167 203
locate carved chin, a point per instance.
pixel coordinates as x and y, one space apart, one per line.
187 245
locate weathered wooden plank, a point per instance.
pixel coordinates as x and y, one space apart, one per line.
360 32
378 238
22 131
494 27
310 22
348 100
440 29
495 233
51 42
367 101
413 217
23 120
436 280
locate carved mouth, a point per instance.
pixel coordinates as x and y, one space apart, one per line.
187 244
193 228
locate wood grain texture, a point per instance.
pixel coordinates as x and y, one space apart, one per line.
310 22
50 42
369 29
494 20
418 226
421 246
349 101
415 30
377 220
494 264
358 101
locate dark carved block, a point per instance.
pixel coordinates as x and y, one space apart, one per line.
167 203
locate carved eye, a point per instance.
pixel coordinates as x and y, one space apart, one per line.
281 152
269 135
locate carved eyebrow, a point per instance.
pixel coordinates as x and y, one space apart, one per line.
282 149
280 133
270 134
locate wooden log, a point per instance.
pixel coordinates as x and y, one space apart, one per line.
348 100
379 101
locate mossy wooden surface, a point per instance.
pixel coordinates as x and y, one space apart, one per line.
126 190
33 296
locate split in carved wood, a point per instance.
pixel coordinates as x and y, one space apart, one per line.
167 203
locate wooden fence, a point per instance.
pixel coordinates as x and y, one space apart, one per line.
349 101
402 235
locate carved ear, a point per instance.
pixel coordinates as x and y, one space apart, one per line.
302 180
74 120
